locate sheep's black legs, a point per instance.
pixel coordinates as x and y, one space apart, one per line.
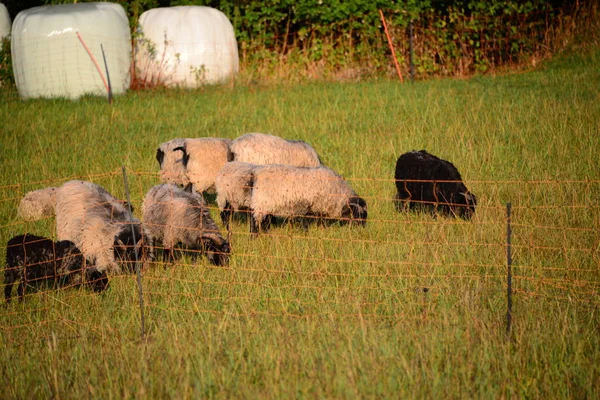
21 290
253 225
226 215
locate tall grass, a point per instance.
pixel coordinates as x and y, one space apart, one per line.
409 306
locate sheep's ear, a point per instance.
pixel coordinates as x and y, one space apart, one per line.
160 156
186 156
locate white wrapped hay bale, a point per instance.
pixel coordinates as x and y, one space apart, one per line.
185 46
50 60
4 23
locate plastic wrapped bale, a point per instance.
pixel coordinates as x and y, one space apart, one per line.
4 23
185 46
49 50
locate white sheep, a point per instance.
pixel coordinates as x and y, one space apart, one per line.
290 192
263 149
99 224
173 215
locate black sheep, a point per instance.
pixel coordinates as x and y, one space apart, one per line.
34 258
425 181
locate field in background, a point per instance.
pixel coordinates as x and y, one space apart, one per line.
410 306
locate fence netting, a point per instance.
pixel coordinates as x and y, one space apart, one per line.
399 266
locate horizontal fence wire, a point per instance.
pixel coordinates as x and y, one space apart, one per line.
402 265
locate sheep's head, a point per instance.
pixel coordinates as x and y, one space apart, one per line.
126 251
466 204
217 249
96 280
355 211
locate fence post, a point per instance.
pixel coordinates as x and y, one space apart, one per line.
411 51
137 261
509 270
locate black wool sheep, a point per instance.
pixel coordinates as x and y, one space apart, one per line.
427 182
31 258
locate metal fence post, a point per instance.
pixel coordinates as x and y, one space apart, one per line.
509 270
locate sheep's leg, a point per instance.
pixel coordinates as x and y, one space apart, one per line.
226 215
254 225
265 225
167 255
10 276
21 289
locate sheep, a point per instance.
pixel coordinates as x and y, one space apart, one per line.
173 215
263 149
424 181
100 225
234 188
193 163
288 191
35 258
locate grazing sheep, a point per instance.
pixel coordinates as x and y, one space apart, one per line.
425 181
288 191
99 225
173 215
171 165
262 149
34 258
234 188
202 159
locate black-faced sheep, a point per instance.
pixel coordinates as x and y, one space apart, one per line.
173 215
425 181
263 149
193 162
292 192
31 258
99 225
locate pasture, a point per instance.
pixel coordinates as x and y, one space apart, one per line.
408 306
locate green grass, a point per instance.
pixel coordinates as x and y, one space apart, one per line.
331 312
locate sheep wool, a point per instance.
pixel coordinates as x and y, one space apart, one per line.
288 191
234 188
34 258
203 158
262 149
173 215
37 204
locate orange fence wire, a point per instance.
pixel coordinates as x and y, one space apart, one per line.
400 259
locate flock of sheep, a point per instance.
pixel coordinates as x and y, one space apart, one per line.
262 175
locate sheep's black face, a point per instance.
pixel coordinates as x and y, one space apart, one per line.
218 254
355 212
126 251
96 280
467 203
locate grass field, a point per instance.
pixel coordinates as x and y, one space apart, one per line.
408 307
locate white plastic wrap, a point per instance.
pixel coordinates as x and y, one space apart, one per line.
4 23
50 60
185 46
